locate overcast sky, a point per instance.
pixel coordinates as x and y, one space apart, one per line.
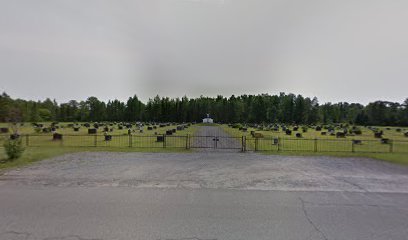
348 50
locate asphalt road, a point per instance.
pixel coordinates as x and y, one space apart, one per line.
204 196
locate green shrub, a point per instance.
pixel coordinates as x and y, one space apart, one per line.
14 148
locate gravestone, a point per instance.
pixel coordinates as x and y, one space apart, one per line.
298 135
4 130
359 142
76 129
323 133
288 132
56 136
378 134
160 139
108 137
149 128
340 135
258 135
385 141
318 128
169 132
275 141
92 131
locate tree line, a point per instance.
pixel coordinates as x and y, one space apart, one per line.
263 108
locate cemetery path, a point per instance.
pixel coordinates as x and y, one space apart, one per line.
202 195
211 138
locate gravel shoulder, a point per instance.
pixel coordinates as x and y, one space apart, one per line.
213 170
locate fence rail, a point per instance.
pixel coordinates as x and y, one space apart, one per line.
242 143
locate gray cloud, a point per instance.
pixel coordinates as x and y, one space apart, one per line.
336 50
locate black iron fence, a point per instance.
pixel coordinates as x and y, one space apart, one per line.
242 143
326 145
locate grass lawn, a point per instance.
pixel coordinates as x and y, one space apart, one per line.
313 141
120 137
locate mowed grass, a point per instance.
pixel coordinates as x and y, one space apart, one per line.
40 146
120 137
313 143
311 133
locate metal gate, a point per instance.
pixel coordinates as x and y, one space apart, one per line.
217 142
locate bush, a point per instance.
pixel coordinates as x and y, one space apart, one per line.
14 148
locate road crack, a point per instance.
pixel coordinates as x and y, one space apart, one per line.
310 220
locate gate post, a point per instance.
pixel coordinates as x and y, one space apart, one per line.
256 144
315 145
95 140
187 137
352 145
243 143
391 145
279 140
130 140
164 140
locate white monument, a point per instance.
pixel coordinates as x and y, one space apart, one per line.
208 119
